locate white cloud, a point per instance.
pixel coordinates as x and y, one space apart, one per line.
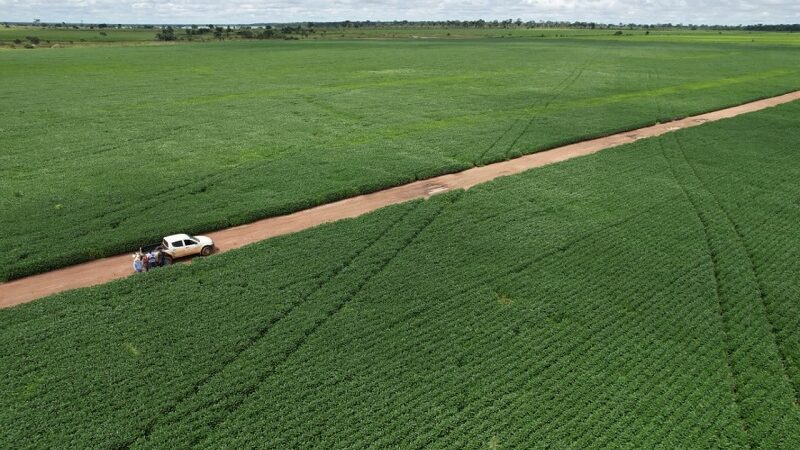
245 11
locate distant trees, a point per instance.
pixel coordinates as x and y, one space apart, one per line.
288 32
795 28
283 30
519 23
246 32
166 34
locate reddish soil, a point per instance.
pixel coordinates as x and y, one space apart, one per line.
107 269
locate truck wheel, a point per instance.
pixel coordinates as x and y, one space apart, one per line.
168 260
206 250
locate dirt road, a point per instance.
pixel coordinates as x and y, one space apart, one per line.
107 269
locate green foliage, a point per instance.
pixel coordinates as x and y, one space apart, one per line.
144 33
194 152
642 297
166 34
64 34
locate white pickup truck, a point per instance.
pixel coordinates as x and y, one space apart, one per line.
183 245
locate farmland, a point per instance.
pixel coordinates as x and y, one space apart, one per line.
107 148
112 35
636 35
645 296
49 36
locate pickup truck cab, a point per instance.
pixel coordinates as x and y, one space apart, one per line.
183 245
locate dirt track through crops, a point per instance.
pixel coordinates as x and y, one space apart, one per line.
115 267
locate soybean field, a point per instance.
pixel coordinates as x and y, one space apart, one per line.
645 296
111 147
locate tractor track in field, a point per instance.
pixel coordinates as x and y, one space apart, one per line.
103 270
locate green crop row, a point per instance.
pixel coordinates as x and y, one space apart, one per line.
116 147
642 297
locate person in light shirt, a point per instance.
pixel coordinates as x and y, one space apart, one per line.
138 266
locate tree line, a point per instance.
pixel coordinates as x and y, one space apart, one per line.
169 33
519 23
304 29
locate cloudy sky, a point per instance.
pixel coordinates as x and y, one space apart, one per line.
248 11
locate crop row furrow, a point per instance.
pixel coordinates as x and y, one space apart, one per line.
547 345
759 375
378 267
310 401
751 265
519 268
614 336
569 81
650 380
714 269
448 321
168 412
